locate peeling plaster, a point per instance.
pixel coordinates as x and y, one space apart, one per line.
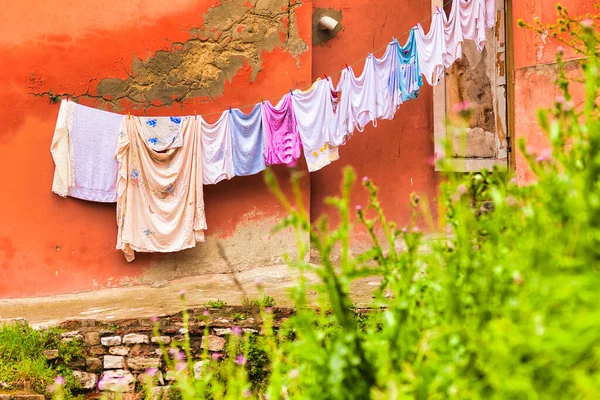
233 33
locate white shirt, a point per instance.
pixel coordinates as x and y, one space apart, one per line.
431 48
316 124
217 155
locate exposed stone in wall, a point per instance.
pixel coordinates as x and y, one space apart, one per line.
129 347
234 32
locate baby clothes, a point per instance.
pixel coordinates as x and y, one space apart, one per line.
248 141
389 96
431 48
162 132
409 78
217 159
473 21
314 114
282 141
453 34
83 149
160 205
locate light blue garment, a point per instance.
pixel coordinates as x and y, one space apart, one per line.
248 141
410 79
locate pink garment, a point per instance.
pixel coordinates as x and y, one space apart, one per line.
282 141
490 13
160 205
472 19
453 35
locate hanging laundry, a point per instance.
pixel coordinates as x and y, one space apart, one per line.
248 141
491 14
160 205
409 79
316 124
83 149
473 21
431 48
217 157
282 141
162 133
345 122
389 96
453 36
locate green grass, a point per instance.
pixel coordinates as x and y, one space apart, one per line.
22 362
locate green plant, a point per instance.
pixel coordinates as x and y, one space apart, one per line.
22 361
267 301
215 304
505 307
238 317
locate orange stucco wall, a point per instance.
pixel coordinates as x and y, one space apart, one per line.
396 154
51 245
535 71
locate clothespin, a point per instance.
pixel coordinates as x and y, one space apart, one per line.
438 9
128 115
326 77
262 100
347 67
291 94
229 109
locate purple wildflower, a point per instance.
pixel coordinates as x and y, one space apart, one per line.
240 360
216 356
154 319
59 380
294 373
236 331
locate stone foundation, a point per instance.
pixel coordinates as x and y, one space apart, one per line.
120 350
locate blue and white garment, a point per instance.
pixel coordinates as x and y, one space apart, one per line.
389 95
248 141
162 133
409 79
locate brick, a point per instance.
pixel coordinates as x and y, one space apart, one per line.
50 354
91 338
119 350
113 362
85 379
134 338
213 343
93 364
143 363
161 339
111 341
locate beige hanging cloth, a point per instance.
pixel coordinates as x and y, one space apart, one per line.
160 205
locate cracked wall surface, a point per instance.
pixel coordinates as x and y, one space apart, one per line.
142 57
233 33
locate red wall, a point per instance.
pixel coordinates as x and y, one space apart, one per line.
535 71
52 245
396 154
49 245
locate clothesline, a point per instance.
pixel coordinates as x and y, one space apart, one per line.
157 168
340 71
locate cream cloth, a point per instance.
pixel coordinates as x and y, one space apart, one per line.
160 206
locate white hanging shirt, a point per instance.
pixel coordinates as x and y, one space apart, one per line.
217 160
364 95
490 13
431 48
389 96
316 124
453 35
472 19
344 118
